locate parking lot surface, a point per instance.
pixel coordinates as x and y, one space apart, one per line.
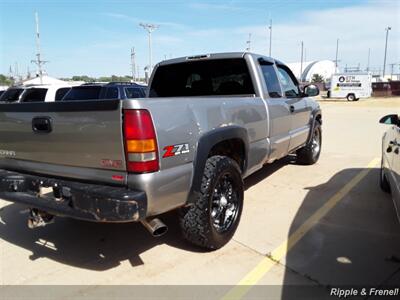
284 237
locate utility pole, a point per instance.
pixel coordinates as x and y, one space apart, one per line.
384 59
337 53
391 72
133 64
301 62
270 36
38 61
248 42
149 28
369 55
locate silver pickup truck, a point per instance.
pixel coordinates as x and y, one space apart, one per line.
209 121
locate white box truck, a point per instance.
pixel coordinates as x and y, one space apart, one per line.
352 86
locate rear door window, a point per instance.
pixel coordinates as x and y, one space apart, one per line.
83 93
212 77
134 93
34 95
11 95
271 80
61 93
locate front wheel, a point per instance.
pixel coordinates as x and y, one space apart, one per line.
212 220
309 154
351 97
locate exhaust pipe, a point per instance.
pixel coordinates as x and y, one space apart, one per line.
155 226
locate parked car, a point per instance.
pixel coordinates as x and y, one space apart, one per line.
390 170
112 90
35 93
211 121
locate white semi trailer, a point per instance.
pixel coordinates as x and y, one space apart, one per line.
352 86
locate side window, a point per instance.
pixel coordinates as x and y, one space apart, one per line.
134 93
61 93
34 95
111 93
288 82
271 80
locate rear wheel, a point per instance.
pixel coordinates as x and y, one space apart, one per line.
383 182
310 153
351 97
212 220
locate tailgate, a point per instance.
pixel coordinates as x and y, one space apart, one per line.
78 139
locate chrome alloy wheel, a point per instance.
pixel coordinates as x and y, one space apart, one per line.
224 206
316 143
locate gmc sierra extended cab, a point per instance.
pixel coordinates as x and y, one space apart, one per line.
208 122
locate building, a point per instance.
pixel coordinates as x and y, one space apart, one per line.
305 72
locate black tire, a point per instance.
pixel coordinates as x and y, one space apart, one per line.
351 97
328 94
310 153
199 221
383 182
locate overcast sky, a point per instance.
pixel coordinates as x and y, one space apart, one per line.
94 37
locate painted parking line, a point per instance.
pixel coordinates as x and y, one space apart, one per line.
280 252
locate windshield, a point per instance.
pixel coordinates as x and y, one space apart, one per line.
203 78
11 95
83 93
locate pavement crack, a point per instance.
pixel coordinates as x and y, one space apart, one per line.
248 247
306 276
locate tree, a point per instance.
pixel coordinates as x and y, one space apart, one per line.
4 80
317 78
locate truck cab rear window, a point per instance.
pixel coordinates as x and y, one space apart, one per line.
83 93
203 78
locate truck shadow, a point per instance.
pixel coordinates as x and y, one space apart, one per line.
97 246
357 243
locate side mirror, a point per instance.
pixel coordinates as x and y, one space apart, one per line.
390 120
311 90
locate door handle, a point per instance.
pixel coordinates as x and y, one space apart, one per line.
41 125
292 110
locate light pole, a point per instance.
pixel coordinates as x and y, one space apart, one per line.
301 63
337 53
149 28
384 59
270 36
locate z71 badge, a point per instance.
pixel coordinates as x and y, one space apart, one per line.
174 150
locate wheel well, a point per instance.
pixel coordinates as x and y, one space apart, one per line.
233 148
319 118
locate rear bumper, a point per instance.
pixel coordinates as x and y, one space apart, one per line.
91 202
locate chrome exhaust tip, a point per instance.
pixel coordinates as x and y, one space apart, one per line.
155 226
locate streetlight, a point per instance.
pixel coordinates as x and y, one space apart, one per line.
384 59
149 28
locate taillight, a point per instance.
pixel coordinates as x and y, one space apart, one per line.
140 141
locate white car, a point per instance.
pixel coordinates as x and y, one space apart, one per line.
390 170
35 93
